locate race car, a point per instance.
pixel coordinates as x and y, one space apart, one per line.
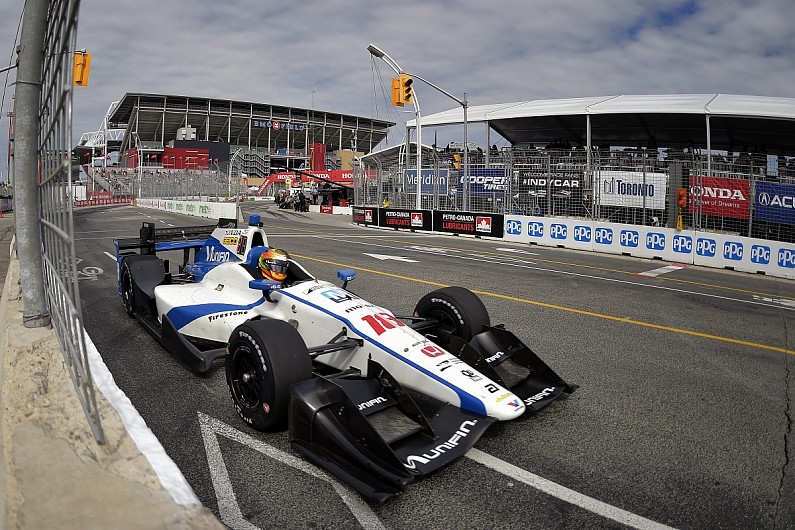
343 374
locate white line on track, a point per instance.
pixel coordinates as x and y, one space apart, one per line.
111 256
512 262
662 270
227 501
563 493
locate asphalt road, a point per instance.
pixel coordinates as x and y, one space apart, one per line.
683 416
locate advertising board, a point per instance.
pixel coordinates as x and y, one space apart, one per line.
632 189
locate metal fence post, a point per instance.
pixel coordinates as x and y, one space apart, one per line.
27 165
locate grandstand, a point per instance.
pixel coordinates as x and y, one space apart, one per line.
161 133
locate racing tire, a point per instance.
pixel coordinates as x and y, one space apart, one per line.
459 311
264 358
127 290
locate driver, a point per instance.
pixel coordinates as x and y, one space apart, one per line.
273 264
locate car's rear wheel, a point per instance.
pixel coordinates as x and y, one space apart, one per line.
264 358
127 289
459 312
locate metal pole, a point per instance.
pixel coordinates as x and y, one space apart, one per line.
466 157
26 166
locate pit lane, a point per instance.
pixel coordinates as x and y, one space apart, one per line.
682 418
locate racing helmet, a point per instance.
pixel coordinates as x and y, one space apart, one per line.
273 264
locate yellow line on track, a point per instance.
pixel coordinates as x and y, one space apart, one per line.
568 309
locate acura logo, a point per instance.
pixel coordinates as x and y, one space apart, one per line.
764 199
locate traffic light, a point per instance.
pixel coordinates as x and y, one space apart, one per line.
681 197
406 94
81 67
396 101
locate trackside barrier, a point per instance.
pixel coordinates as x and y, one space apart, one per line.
453 222
210 210
687 246
679 246
104 202
336 210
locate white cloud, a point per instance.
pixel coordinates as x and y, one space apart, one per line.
495 52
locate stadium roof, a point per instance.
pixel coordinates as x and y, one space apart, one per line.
674 120
156 117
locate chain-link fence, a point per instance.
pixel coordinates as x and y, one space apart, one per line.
216 183
55 147
740 193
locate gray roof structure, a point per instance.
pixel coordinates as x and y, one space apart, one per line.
713 121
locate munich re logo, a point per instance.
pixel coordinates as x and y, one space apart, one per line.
368 216
416 218
483 224
513 227
764 199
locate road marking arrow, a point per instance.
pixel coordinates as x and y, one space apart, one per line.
396 258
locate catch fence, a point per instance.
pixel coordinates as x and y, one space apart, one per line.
744 194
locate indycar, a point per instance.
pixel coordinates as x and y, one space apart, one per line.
345 376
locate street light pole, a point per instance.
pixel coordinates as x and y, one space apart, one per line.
375 51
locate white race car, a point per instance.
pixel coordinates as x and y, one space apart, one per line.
330 365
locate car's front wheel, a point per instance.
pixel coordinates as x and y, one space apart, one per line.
458 312
264 358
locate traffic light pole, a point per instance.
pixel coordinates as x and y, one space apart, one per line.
375 51
464 105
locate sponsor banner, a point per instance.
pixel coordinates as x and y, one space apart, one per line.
428 186
407 219
485 181
209 210
679 246
632 189
365 216
477 224
559 186
326 208
774 202
720 196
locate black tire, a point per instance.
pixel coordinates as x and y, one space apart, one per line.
459 311
127 289
263 359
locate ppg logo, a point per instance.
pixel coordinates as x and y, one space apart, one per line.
582 233
760 254
786 258
513 227
733 251
629 238
603 236
535 229
558 231
655 241
706 247
683 244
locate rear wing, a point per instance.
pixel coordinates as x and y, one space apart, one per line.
152 239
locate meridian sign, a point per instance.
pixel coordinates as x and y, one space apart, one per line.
428 188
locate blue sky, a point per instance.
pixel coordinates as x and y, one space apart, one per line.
315 53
